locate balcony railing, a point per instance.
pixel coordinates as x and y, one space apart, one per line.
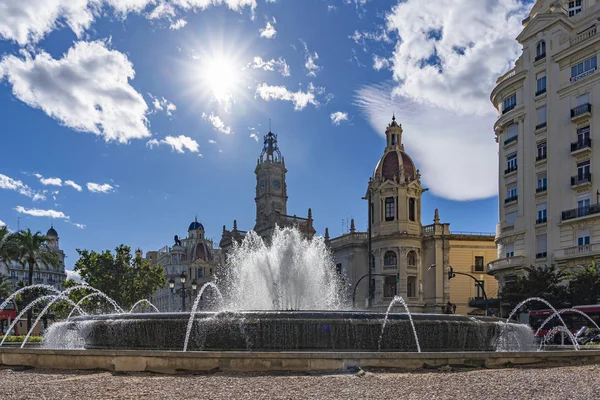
505 263
580 179
511 199
581 144
541 189
583 36
541 91
580 212
541 157
508 108
539 57
578 251
510 169
541 255
541 125
585 108
541 220
511 139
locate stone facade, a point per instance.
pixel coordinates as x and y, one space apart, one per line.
408 259
271 199
546 130
197 258
47 275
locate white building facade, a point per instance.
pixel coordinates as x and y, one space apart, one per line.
547 129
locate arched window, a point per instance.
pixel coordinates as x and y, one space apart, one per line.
540 50
390 260
412 258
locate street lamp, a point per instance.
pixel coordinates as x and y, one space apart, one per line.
183 291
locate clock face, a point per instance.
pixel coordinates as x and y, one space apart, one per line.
276 184
262 185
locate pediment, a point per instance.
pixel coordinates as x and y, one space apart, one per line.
543 22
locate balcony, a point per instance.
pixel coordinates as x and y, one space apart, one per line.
541 220
511 199
510 140
581 145
581 179
580 212
505 263
541 91
541 189
508 108
541 157
581 112
541 125
586 250
510 169
541 255
583 36
539 57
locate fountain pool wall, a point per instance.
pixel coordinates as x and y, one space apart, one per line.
290 331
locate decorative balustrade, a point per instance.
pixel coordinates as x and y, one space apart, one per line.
583 36
505 263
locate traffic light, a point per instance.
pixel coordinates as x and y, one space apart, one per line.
450 273
397 277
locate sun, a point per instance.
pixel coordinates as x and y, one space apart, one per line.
221 77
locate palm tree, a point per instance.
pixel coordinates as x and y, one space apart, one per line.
31 251
5 287
6 246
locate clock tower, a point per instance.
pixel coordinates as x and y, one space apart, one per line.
271 189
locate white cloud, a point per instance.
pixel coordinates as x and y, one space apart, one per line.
51 181
28 21
8 183
74 275
87 90
212 141
282 67
179 144
80 226
99 188
36 212
254 136
311 66
268 31
337 117
180 23
300 99
452 59
162 104
217 123
448 149
2 223
73 185
380 62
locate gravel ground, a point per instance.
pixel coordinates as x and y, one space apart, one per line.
582 382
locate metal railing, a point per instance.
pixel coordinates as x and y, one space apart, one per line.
581 109
541 125
581 178
539 57
541 255
541 189
511 139
541 220
541 91
581 144
507 109
511 199
580 212
510 169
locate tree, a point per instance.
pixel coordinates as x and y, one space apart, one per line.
584 287
547 282
7 254
5 287
30 250
120 276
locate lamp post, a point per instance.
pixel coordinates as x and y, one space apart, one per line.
452 273
183 291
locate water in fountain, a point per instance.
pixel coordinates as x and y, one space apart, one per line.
290 273
398 299
549 337
562 311
503 342
143 301
26 289
89 296
195 308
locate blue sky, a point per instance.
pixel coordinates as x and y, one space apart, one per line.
123 119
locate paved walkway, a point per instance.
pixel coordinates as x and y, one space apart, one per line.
553 383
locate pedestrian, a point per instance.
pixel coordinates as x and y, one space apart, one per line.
453 308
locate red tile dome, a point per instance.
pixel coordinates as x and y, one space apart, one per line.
389 166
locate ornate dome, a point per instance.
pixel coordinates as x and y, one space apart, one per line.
52 232
195 226
202 251
392 163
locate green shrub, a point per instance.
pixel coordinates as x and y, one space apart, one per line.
18 339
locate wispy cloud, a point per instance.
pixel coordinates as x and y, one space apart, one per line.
8 183
337 117
310 60
212 141
299 98
179 143
268 31
280 64
217 123
180 23
162 104
37 212
99 188
73 185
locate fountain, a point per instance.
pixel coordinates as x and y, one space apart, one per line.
285 296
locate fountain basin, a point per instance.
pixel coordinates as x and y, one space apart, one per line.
290 331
